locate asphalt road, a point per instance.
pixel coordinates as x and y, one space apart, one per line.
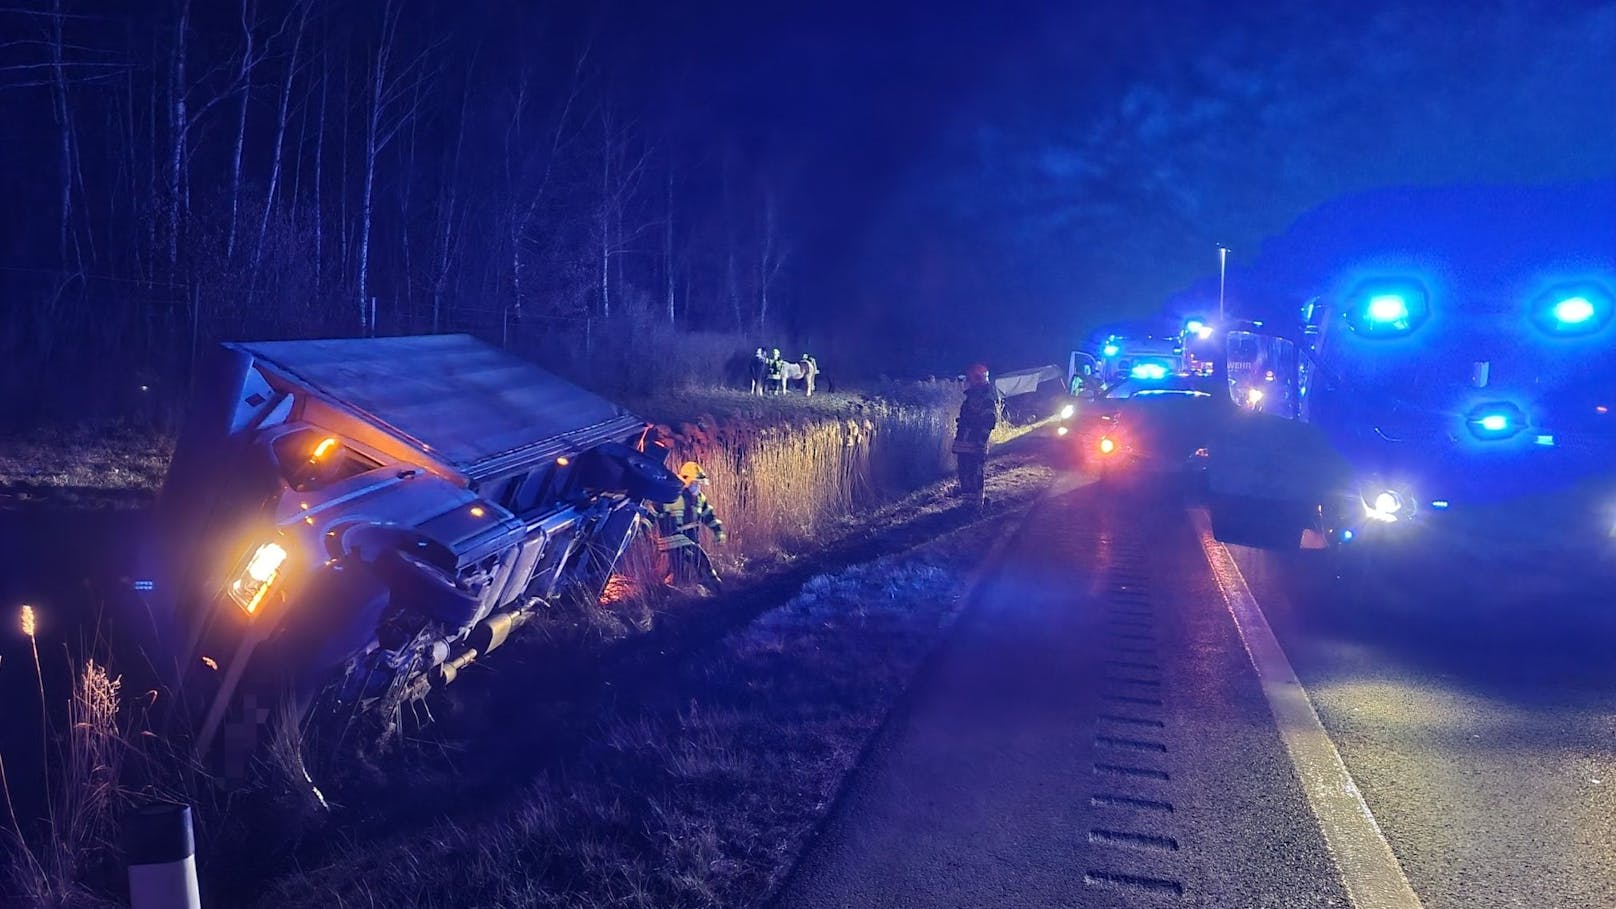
1094 734
1481 729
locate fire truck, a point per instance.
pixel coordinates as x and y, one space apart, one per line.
1143 356
1440 392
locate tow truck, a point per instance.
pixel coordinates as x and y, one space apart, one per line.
1442 394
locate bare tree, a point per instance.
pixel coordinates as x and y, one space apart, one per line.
385 116
667 241
179 127
319 164
280 140
528 176
622 168
64 123
771 252
449 213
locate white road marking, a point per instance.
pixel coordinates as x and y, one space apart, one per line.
1371 873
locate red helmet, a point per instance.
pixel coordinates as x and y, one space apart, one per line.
977 374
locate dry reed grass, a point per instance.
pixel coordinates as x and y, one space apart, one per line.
83 798
781 469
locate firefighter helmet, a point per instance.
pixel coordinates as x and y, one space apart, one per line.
690 472
977 374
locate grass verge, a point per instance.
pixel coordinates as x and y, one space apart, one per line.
698 787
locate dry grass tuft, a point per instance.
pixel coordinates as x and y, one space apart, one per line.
84 797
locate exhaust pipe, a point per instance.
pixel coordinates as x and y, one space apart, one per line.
486 636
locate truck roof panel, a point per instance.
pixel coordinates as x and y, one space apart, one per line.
469 403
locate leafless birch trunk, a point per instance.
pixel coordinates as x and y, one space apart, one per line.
280 142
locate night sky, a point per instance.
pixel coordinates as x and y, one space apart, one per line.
1012 173
905 187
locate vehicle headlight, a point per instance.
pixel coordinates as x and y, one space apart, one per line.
262 569
1068 412
1385 505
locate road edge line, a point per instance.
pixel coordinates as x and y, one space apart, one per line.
1370 871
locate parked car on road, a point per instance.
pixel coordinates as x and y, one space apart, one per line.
1154 426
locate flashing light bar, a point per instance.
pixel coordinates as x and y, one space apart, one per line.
1492 422
1583 311
1387 310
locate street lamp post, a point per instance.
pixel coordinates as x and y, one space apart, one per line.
1223 262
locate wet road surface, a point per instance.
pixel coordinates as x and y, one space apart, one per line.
1094 734
1482 734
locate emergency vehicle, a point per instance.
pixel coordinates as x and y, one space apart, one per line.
1444 389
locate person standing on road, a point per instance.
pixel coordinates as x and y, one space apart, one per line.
679 526
978 417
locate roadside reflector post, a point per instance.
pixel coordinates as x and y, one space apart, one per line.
161 853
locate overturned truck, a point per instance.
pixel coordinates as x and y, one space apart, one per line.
348 523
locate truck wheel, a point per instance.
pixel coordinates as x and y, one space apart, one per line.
614 465
418 583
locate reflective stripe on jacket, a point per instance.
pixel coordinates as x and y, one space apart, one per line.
679 522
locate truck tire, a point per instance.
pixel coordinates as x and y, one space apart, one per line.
617 466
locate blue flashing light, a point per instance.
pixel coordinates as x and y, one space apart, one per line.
1388 309
1546 441
145 585
1440 504
1346 536
1491 422
1581 309
1150 371
1110 350
1573 311
1194 326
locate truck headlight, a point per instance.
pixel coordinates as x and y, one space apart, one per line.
1068 412
1385 505
253 584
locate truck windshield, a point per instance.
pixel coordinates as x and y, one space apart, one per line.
1262 374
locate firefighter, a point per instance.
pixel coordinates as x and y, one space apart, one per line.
679 526
810 370
978 416
760 371
777 372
